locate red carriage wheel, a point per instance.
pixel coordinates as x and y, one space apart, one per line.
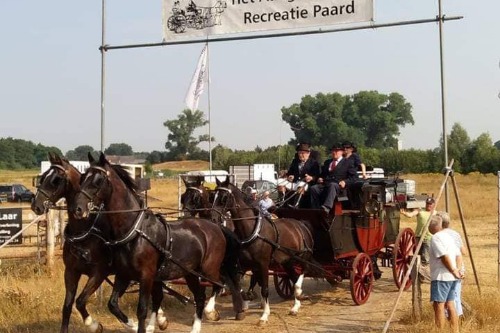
283 285
404 248
361 278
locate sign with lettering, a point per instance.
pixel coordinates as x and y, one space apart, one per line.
183 19
11 222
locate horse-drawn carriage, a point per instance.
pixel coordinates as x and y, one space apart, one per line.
362 229
347 243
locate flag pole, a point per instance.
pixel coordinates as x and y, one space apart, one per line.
209 118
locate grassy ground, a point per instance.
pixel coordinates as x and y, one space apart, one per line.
37 309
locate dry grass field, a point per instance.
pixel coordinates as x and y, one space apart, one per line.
32 297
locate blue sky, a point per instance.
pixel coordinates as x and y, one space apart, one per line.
50 73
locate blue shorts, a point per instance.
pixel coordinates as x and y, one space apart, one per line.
443 291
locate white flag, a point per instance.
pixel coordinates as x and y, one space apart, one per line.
197 82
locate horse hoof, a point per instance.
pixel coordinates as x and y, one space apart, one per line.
99 329
240 316
262 322
293 313
163 326
213 316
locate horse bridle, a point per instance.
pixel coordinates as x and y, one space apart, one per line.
197 198
103 172
50 198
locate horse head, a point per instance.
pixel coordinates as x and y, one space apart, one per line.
227 198
100 184
196 198
62 179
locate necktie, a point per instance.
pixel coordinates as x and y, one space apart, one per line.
333 165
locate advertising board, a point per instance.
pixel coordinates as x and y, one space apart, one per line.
11 222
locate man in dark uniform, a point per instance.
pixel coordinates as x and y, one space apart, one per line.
336 173
303 167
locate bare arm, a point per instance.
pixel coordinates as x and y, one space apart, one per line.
412 213
453 270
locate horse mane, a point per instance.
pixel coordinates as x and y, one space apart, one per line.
125 177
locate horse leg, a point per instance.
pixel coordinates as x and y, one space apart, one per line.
232 280
210 311
145 292
263 279
91 286
199 299
119 288
71 279
297 282
156 312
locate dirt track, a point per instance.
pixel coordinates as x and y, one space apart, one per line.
329 309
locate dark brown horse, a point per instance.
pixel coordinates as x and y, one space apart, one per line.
84 250
287 242
146 248
195 200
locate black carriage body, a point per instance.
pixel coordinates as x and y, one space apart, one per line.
361 230
364 223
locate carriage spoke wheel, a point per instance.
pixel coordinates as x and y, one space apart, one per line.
404 248
361 278
283 285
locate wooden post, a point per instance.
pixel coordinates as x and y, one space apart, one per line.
416 291
50 238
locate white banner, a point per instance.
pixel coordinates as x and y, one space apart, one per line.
197 82
184 19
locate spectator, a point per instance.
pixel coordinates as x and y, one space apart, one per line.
422 218
444 274
264 204
351 153
460 264
336 173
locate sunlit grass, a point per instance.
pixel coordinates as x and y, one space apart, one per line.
32 297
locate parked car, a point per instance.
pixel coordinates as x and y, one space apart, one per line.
260 186
16 192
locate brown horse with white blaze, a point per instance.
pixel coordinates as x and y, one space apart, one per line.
148 248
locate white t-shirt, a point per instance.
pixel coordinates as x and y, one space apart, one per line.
442 244
457 239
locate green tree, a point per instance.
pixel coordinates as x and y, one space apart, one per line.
367 118
458 143
181 142
482 156
80 153
120 149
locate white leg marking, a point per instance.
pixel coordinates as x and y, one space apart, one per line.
91 324
151 325
196 325
298 286
209 308
131 325
246 305
267 311
161 318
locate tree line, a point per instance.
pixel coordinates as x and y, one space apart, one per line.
370 119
